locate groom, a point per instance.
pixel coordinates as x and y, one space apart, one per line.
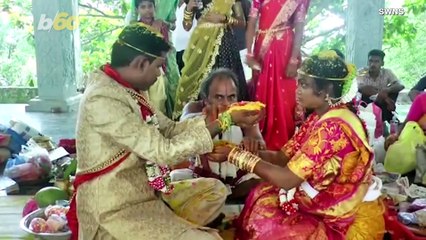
124 146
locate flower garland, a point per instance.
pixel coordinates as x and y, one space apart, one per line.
287 201
158 176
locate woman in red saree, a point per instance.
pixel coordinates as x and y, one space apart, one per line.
274 61
320 185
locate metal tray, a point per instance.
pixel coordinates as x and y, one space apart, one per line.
25 226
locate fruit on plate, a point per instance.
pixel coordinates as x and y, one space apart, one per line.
54 220
49 195
56 223
39 225
55 210
249 106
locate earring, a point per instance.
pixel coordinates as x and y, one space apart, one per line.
328 100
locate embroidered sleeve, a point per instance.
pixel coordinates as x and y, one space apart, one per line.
125 128
293 145
301 12
171 128
325 142
255 8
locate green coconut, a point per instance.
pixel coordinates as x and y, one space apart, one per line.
49 195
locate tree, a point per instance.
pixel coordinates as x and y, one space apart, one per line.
101 19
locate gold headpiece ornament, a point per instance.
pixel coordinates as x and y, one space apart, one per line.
143 38
349 89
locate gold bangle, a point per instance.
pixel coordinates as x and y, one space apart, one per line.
231 155
232 21
186 12
244 160
189 18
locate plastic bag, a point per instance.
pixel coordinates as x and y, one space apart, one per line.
401 156
421 217
407 218
417 204
379 150
32 164
38 156
16 141
372 115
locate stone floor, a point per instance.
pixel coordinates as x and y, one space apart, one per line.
55 125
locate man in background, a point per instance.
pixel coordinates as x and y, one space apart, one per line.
379 85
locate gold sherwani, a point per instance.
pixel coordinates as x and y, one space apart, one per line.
121 202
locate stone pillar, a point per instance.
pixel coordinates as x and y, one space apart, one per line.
57 44
364 30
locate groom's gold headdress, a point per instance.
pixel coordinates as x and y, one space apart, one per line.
144 39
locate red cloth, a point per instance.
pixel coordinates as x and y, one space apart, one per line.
271 86
79 180
4 140
112 73
69 145
396 229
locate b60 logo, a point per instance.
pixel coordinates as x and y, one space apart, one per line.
61 22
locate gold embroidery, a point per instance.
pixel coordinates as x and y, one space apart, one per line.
283 16
211 25
141 99
106 164
272 31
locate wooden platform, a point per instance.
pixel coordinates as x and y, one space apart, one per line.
10 215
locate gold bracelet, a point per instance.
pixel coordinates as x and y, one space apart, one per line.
231 155
244 160
232 21
188 19
188 15
186 12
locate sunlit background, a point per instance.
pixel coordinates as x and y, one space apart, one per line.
404 40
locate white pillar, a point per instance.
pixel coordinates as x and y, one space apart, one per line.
364 27
57 55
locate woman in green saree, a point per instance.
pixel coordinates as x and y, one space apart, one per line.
166 11
212 45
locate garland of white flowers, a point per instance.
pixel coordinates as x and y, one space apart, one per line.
158 176
287 201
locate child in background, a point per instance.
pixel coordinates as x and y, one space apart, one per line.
162 94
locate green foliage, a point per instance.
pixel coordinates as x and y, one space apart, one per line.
408 59
17 59
100 21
